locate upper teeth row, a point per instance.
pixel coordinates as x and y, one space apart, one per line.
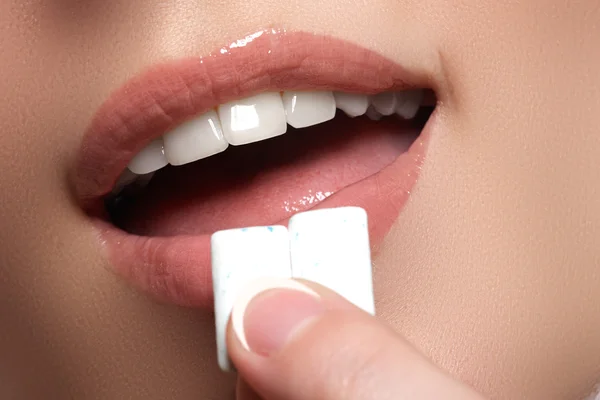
261 117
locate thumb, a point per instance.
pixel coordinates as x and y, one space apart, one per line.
297 340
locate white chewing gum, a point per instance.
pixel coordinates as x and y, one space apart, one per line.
328 246
240 256
331 247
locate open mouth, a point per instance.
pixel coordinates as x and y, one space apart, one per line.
274 124
261 173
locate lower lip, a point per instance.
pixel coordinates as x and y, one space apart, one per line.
177 270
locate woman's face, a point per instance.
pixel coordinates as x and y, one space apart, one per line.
491 268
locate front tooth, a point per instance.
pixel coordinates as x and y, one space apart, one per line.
150 159
409 102
125 179
384 103
253 119
304 109
195 139
373 114
143 180
139 184
352 104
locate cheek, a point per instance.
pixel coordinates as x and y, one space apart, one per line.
498 241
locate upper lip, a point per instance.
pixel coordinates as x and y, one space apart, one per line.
166 95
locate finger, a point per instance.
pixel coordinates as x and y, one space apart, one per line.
298 341
245 392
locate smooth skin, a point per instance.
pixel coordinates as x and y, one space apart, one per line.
491 271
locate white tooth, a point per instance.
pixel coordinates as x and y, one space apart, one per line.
125 179
150 159
352 104
409 102
140 183
253 119
373 114
195 139
384 103
304 109
143 180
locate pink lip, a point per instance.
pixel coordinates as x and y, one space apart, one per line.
177 269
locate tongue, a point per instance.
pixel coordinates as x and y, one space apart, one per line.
265 182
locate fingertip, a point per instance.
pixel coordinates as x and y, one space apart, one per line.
268 311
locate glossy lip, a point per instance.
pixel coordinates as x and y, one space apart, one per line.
177 269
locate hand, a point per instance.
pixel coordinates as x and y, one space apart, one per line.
296 340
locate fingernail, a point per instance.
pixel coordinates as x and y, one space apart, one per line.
269 311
